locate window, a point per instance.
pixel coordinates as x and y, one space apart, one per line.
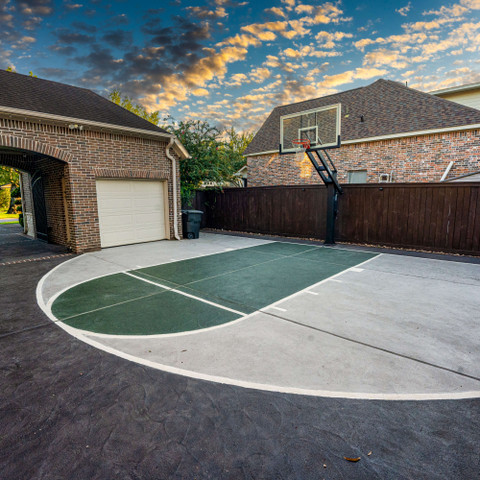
357 176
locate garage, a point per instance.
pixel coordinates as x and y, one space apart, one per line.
131 211
93 173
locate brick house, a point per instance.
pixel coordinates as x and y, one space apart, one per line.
93 173
389 132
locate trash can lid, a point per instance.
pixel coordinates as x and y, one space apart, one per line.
192 211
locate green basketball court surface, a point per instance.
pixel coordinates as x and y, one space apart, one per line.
201 292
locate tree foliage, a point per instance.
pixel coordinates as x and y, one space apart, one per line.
9 175
7 200
210 160
12 69
235 145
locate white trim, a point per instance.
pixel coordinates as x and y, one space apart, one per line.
457 89
101 125
392 136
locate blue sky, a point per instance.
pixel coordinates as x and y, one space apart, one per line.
231 62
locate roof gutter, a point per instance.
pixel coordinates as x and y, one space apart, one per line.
65 121
392 136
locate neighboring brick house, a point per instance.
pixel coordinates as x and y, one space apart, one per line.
389 132
93 173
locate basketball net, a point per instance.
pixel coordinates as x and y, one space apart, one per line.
302 143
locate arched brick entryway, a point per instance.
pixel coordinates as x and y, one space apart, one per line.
43 186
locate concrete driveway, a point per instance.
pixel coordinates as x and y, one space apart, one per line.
69 408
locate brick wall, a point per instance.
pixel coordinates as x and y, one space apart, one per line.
80 157
411 159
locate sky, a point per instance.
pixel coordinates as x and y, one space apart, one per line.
231 62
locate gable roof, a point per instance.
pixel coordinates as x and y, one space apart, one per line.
388 108
33 94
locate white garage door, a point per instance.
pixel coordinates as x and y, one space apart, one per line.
131 211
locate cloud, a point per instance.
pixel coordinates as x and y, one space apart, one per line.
240 40
73 6
309 52
66 36
35 7
204 12
472 4
62 50
382 56
120 19
453 11
276 11
201 92
404 10
237 79
327 39
260 74
351 75
289 4
86 27
118 38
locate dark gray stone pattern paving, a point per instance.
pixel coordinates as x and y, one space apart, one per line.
70 411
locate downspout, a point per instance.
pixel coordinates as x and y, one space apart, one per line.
174 181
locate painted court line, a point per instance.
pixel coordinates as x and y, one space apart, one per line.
268 387
187 294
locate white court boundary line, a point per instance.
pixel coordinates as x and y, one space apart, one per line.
240 383
185 294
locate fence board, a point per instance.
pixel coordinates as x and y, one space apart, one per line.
440 217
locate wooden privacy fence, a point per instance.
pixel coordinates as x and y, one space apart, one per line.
431 216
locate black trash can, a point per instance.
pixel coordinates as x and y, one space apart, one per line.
191 220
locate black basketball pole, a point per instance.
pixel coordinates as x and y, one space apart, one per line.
331 213
328 173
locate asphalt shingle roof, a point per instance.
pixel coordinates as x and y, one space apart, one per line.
44 96
387 107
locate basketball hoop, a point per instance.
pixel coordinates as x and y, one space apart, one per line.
304 142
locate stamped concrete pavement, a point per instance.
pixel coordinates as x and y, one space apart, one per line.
68 410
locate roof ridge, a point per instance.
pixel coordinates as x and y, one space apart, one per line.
35 78
318 98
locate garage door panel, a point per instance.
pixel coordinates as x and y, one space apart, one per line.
131 211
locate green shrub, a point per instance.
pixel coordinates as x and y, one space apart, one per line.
20 219
4 200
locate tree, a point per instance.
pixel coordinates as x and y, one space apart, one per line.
141 111
8 196
209 159
235 145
